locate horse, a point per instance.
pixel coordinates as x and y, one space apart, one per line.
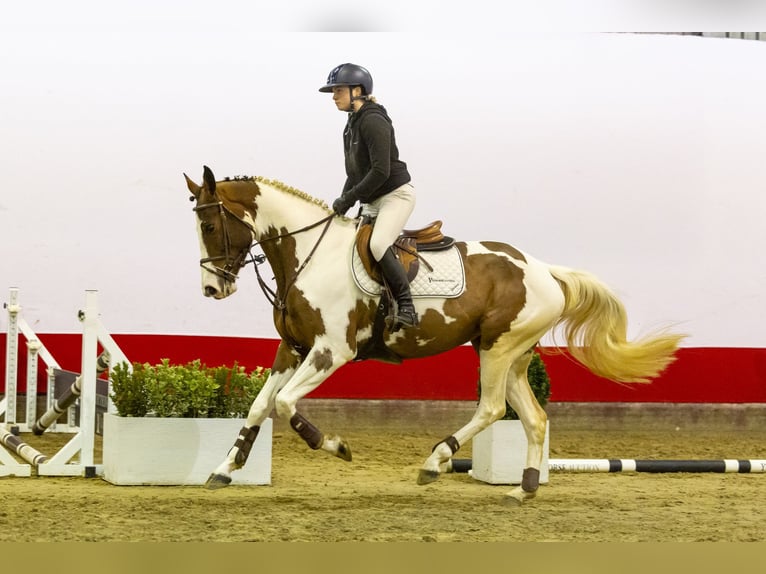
324 319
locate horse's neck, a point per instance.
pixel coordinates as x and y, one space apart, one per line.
280 212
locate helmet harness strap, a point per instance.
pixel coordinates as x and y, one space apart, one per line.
352 98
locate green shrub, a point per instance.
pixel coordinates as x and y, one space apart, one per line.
191 391
236 390
538 381
129 392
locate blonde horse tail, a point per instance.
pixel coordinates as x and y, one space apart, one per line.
594 324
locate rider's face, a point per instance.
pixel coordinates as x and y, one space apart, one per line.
341 95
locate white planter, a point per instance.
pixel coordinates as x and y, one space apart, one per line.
500 454
178 451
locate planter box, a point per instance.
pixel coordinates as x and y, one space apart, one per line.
500 454
178 451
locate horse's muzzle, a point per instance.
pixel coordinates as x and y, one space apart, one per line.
217 292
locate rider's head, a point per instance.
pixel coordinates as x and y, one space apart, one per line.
350 86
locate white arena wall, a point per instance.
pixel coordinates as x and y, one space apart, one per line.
637 157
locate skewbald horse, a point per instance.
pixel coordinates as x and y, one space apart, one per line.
323 318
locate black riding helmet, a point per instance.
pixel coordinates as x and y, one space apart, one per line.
349 75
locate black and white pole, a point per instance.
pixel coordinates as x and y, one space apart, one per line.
574 465
14 443
742 466
68 398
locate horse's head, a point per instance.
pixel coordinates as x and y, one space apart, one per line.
225 232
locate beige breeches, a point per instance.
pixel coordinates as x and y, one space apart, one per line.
392 212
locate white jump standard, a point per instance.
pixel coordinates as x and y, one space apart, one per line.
35 350
76 457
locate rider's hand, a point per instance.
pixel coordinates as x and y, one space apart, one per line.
342 204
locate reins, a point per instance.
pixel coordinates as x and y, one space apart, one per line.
271 295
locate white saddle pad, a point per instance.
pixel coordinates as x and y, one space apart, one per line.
446 280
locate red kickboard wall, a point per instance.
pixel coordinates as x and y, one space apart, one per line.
699 375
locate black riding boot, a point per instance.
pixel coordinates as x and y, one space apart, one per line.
403 314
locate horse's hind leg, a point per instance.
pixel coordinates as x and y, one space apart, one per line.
534 420
494 369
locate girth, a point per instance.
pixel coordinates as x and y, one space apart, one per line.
407 246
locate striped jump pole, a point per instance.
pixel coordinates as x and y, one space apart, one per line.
742 466
68 398
14 443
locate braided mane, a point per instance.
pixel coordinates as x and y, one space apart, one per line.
280 186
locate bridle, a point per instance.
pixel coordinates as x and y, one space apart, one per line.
232 263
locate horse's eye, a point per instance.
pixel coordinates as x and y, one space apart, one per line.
208 228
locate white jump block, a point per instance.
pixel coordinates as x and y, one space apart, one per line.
500 454
179 451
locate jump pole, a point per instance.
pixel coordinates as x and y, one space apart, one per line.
9 466
68 398
741 466
14 443
582 465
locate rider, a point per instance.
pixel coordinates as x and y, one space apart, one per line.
375 176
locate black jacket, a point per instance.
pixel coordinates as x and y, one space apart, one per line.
373 167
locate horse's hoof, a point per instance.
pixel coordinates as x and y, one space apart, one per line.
344 451
217 481
512 501
427 476
517 497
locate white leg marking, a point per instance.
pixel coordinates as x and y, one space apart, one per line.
259 410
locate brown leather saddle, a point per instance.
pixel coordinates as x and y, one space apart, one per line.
407 247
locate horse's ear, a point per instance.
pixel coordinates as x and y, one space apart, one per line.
209 179
193 187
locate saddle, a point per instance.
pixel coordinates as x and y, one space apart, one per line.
406 247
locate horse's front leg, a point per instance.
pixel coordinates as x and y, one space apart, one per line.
282 370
